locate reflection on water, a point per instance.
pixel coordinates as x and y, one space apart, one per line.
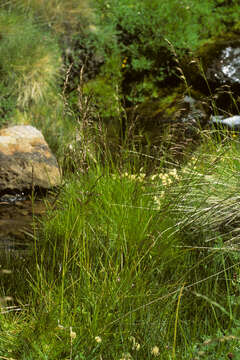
16 224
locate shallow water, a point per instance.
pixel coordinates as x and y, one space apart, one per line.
17 213
230 60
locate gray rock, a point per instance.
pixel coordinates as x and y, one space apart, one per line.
26 160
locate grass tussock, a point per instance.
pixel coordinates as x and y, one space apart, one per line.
30 60
63 16
132 265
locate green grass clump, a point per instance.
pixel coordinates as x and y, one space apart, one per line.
29 60
63 16
135 265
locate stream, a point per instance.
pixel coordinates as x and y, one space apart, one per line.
17 214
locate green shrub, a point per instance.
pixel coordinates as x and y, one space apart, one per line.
106 90
138 30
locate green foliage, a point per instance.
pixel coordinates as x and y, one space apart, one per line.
107 93
139 28
141 31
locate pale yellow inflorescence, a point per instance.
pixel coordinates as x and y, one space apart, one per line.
126 356
135 345
98 339
166 179
155 351
73 335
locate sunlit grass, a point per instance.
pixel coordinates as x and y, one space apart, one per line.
63 16
119 277
30 61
